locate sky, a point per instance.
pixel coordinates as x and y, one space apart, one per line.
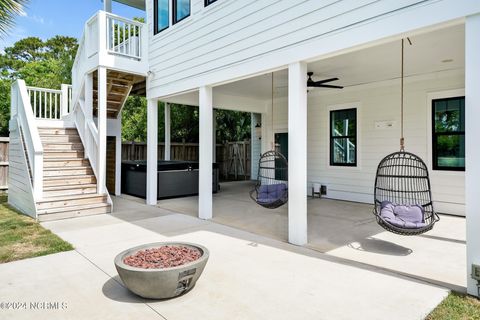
47 18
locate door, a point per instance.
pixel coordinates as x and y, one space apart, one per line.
281 145
111 164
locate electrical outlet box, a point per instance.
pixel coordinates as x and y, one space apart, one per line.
476 272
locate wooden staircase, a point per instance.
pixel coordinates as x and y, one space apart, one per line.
119 86
69 184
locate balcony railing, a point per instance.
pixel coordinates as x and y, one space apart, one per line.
49 103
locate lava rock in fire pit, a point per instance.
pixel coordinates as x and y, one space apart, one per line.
161 270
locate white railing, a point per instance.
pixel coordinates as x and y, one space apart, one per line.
46 103
49 103
123 36
88 133
21 111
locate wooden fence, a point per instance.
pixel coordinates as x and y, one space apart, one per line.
234 158
4 164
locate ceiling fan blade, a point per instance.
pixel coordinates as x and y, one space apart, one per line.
329 86
326 80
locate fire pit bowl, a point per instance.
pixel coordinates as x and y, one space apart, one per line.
161 283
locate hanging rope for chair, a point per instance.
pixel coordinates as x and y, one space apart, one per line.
271 189
403 196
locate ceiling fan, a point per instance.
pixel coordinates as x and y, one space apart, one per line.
321 83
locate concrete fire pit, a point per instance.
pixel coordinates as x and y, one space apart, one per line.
161 283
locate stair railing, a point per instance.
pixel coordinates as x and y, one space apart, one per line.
22 113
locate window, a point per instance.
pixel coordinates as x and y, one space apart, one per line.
208 2
448 134
181 10
160 9
343 137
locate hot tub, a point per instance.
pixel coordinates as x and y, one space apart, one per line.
174 178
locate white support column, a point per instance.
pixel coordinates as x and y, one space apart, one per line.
102 130
297 152
152 151
205 165
214 135
472 154
107 5
118 157
168 139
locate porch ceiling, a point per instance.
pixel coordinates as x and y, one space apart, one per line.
439 50
139 4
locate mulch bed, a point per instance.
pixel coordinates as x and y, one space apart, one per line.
163 257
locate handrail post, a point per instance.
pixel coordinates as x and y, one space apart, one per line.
64 106
102 36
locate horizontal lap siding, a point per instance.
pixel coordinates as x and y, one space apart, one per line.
230 32
377 104
19 185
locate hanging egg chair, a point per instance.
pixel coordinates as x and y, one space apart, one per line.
403 196
271 189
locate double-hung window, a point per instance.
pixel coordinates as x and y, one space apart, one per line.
161 15
343 137
448 134
208 2
181 10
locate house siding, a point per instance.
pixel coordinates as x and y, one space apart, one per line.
228 34
378 103
20 193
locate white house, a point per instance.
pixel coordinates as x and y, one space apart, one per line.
254 56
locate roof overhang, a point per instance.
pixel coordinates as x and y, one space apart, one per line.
139 4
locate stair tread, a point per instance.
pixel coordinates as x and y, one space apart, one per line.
70 187
73 208
72 197
64 159
66 168
66 177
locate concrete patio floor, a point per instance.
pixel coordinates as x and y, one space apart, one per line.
249 276
347 230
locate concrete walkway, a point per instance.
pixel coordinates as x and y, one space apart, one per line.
248 276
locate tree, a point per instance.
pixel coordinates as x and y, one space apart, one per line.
8 10
40 63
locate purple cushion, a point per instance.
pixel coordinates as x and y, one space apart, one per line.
403 216
271 193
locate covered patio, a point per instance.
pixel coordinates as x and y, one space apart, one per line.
346 230
341 224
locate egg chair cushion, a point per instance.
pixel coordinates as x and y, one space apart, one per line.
405 216
271 193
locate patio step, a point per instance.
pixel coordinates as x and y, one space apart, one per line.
73 211
67 171
59 154
47 204
68 180
57 131
65 190
67 162
58 138
62 146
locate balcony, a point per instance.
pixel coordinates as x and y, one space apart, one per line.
113 42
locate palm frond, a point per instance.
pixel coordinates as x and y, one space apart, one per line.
9 9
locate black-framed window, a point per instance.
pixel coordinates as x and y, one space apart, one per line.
181 10
448 134
343 137
209 2
161 15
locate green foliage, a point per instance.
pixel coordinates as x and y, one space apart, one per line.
231 125
22 237
40 63
457 307
8 10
